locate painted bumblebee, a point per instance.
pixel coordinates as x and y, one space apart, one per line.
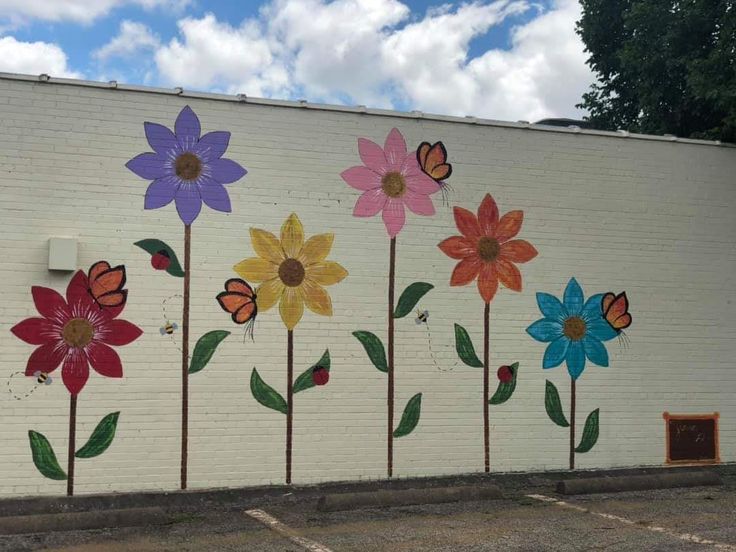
422 317
42 378
168 328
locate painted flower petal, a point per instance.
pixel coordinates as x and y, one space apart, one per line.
291 307
35 331
600 329
545 330
316 248
573 298
465 271
316 297
49 303
488 216
370 203
518 251
466 222
575 359
161 192
214 195
394 149
149 166
508 274
418 204
555 352
256 269
187 128
120 332
326 273
394 216
509 225
416 179
595 350
161 139
457 247
488 281
226 171
77 292
213 145
292 236
268 294
592 309
371 154
188 203
46 358
104 360
266 245
361 178
551 307
75 371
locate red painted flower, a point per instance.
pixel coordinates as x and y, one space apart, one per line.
486 250
75 333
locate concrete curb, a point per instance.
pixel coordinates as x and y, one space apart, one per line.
617 484
44 523
405 497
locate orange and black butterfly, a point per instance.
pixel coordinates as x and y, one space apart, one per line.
616 313
239 300
106 284
432 159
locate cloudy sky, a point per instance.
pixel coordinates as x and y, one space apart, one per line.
502 59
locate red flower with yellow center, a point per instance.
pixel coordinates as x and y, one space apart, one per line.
486 249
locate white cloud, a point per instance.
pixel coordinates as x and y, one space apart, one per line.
34 58
85 11
133 39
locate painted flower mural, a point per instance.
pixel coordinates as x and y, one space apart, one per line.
488 254
392 180
75 332
292 272
189 169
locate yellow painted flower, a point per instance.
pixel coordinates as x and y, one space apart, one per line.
291 271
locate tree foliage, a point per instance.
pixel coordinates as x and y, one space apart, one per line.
663 66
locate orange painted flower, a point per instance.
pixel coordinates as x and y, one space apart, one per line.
486 249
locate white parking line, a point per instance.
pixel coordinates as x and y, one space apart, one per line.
687 537
286 531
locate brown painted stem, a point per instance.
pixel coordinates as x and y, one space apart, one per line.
486 392
289 399
185 356
72 436
572 424
390 395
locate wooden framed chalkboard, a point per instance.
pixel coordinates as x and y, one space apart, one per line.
692 438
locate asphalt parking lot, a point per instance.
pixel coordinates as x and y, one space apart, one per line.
532 518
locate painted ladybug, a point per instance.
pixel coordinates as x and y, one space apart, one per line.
505 374
161 260
320 375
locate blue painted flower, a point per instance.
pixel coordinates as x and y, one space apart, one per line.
575 329
186 168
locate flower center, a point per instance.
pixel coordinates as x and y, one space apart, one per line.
488 249
393 184
77 333
291 272
574 328
188 166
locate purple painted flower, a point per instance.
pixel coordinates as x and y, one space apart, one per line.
186 168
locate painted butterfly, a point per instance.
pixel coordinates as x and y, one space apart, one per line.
432 159
106 284
616 313
239 300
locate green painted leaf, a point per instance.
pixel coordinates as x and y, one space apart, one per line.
505 390
465 349
265 394
205 348
410 298
374 348
410 417
590 432
101 437
305 381
153 246
553 405
44 457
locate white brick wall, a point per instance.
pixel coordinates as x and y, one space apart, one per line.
654 218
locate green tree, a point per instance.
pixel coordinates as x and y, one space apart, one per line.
663 66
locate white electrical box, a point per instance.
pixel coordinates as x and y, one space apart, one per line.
62 254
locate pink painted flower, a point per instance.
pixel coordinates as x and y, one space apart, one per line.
390 179
74 332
